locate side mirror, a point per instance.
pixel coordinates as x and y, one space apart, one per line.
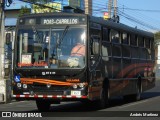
8 38
95 48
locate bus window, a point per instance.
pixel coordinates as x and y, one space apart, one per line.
116 50
106 51
143 53
147 43
114 36
134 52
105 34
148 54
125 38
140 41
133 41
125 51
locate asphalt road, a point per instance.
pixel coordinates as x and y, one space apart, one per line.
149 103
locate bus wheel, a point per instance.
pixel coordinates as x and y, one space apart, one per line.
43 105
136 96
103 102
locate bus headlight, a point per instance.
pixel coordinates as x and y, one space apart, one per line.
75 86
19 85
48 85
81 85
25 86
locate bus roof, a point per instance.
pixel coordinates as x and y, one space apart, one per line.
110 24
120 26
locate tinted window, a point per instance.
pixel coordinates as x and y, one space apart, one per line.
114 36
133 40
105 34
140 41
125 38
116 50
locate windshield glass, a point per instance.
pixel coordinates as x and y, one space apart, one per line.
51 48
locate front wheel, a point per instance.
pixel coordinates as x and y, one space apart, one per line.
104 98
43 105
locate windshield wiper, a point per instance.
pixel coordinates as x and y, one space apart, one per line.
63 35
37 36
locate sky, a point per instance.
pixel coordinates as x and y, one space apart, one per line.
143 14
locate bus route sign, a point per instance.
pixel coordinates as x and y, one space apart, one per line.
57 21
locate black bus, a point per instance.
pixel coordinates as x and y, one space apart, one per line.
118 60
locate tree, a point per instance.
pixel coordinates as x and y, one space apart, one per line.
157 36
24 10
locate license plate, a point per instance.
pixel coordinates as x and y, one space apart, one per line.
75 92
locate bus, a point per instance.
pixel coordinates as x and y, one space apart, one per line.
117 60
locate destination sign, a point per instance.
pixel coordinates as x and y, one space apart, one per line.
58 21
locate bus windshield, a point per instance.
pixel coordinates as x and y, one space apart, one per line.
55 48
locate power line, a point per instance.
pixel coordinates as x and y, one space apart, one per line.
137 21
141 10
138 14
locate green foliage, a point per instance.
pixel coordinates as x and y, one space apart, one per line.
41 1
24 10
157 36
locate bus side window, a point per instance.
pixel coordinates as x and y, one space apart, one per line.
106 51
133 40
114 36
125 38
140 41
105 34
147 43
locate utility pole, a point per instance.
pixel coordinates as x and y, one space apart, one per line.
115 8
115 16
5 86
88 7
2 81
109 8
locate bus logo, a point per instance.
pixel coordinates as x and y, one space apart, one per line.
48 73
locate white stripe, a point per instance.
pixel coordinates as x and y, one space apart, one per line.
49 96
78 96
22 95
59 96
40 96
68 96
31 96
13 95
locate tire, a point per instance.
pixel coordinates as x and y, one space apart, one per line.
136 96
43 105
104 97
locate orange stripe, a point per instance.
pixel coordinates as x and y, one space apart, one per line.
44 81
134 66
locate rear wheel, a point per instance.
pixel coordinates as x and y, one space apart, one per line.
137 95
43 105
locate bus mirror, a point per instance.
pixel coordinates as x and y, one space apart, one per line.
95 48
8 38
